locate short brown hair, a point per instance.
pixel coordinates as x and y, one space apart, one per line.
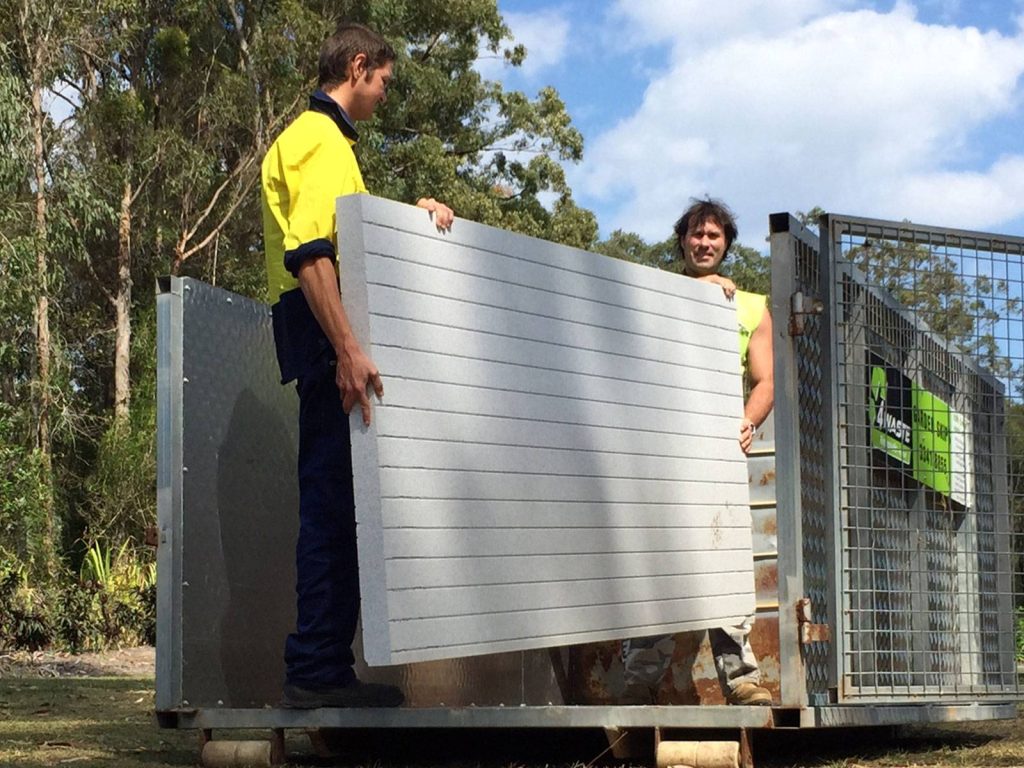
347 42
704 210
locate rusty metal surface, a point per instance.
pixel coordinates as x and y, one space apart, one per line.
595 670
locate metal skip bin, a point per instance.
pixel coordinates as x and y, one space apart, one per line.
227 505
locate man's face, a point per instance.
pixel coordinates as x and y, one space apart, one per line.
703 247
369 89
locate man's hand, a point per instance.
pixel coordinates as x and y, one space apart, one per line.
355 374
442 215
728 286
747 430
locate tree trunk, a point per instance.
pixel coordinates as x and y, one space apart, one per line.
42 382
122 309
42 281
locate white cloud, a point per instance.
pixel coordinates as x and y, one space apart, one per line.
694 25
971 199
862 112
545 34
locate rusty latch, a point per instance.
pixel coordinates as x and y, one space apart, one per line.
809 631
799 307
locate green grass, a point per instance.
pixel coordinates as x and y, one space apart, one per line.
82 722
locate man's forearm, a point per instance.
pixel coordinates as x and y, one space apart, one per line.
319 283
759 403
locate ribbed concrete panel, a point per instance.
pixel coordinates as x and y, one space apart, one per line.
555 460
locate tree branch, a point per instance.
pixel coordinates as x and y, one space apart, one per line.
239 169
430 48
239 199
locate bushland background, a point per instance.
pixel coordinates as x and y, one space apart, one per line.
132 134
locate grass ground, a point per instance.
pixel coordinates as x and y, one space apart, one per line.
108 721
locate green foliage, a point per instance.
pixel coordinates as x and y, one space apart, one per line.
24 620
965 310
121 486
117 590
750 269
171 107
113 603
1019 633
629 246
24 492
447 133
951 295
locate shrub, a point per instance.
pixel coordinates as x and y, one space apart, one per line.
111 603
25 620
1019 626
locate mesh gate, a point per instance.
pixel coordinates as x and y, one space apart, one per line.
926 343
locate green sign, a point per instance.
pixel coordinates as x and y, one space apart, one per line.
931 462
910 425
889 412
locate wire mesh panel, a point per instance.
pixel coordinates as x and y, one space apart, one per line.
928 353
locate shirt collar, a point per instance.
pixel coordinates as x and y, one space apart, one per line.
324 104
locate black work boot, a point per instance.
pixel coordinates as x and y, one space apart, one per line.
354 695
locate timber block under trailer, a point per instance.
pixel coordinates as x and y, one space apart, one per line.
697 736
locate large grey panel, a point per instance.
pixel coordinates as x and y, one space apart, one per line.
226 500
589 410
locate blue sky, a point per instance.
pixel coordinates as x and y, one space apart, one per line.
895 110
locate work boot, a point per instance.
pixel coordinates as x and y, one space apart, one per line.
354 695
748 693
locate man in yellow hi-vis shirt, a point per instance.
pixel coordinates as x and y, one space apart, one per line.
705 232
308 167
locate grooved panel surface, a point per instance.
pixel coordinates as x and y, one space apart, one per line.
555 458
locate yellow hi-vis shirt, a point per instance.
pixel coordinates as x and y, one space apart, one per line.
307 168
750 308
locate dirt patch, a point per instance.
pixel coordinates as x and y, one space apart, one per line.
123 662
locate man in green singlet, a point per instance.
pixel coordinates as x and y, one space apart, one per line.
705 232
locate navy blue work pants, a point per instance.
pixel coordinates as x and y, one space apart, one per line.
319 652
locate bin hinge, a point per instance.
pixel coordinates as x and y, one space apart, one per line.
800 306
809 631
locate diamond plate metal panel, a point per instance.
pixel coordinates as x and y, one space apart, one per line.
815 426
232 602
